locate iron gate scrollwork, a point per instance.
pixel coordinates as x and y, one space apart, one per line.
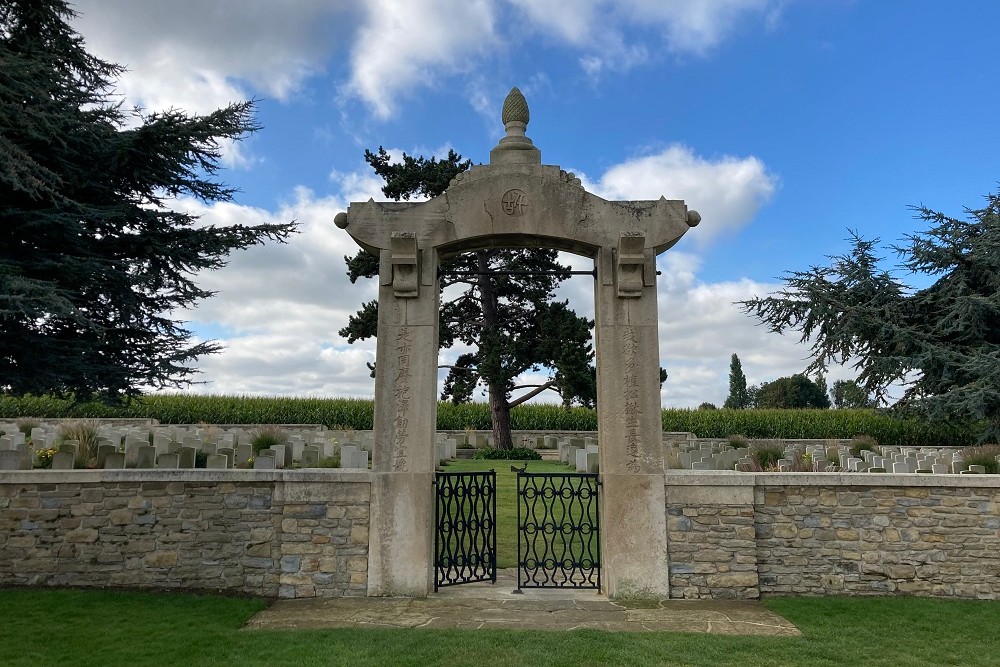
465 536
558 530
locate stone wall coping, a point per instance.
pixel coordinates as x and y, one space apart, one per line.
733 478
190 475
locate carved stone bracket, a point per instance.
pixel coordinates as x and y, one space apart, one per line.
630 264
404 261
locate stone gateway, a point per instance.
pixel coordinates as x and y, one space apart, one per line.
516 201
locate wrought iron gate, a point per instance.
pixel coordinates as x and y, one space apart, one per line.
465 536
558 530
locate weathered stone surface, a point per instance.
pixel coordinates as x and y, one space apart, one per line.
892 534
515 201
204 532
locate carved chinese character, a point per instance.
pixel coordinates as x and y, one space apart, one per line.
514 202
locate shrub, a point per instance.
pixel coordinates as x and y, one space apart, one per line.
25 426
209 433
860 443
707 406
327 462
265 437
766 454
85 434
737 441
800 462
514 454
983 455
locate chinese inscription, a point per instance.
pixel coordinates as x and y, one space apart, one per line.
514 202
632 413
401 392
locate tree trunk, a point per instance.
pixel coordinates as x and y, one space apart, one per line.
500 412
499 406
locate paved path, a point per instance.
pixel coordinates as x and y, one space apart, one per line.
476 606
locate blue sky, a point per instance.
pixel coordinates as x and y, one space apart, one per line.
784 123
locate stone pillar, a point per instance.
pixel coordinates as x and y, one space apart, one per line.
402 511
629 424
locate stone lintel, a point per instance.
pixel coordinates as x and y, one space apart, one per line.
522 205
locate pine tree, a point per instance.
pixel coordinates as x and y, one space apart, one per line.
940 342
511 321
824 388
738 398
93 262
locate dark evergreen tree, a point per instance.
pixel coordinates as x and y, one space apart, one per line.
94 265
820 382
511 321
738 398
941 342
796 391
849 394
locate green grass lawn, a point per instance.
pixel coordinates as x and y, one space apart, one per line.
506 498
107 629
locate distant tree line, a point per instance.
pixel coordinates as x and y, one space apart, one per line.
795 391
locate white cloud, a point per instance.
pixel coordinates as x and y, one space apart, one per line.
202 56
280 306
728 192
701 326
611 33
402 44
198 55
696 25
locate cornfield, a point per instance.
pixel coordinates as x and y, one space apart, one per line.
352 413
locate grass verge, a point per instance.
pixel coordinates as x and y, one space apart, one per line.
101 628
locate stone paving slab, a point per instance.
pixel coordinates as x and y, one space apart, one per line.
557 613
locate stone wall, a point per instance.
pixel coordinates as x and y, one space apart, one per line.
742 535
272 533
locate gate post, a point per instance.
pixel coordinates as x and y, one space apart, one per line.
400 551
629 423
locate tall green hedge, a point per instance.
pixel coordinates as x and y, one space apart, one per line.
357 414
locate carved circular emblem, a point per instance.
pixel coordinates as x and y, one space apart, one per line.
514 202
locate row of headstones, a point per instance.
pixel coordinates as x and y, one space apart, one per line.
165 453
722 456
709 459
445 448
936 461
179 456
940 461
190 435
582 453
